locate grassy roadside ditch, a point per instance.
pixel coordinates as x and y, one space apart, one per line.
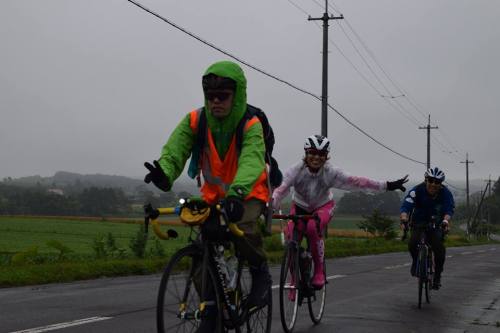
82 268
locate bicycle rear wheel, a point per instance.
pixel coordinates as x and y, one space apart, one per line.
177 308
289 291
316 302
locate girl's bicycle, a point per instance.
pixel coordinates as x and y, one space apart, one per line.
295 286
204 272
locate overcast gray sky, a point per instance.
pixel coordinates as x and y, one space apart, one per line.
95 86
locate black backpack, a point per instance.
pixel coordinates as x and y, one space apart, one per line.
275 174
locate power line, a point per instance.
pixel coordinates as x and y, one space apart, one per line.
271 76
396 106
403 93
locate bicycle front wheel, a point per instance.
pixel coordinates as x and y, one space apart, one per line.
178 301
289 291
258 321
422 274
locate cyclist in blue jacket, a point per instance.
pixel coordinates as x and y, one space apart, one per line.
429 202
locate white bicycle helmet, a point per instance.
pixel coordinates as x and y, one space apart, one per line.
435 173
317 142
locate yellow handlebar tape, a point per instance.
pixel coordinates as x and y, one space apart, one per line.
168 210
235 230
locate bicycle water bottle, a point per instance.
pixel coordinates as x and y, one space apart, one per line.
221 263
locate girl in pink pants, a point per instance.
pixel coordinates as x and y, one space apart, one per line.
313 179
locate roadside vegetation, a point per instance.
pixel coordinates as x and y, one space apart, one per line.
45 250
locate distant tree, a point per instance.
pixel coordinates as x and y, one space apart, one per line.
363 203
103 201
379 225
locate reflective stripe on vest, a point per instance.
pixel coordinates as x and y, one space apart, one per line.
219 174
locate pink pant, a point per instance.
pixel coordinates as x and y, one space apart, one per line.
324 213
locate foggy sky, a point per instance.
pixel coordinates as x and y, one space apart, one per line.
97 86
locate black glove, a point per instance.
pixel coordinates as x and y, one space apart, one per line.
234 208
397 184
157 176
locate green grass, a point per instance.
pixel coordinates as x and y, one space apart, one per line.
21 233
345 222
18 234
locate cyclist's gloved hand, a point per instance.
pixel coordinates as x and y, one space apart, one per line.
234 208
397 184
157 176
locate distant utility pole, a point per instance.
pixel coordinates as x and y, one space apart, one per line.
488 217
428 128
324 91
467 162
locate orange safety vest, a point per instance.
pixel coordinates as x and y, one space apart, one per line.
219 174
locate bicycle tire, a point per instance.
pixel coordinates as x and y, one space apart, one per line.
260 320
422 273
316 312
289 271
178 274
430 275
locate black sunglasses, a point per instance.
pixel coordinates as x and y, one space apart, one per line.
220 95
434 181
321 153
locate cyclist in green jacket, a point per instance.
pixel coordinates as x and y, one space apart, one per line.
239 177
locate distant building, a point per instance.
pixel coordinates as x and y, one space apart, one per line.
57 191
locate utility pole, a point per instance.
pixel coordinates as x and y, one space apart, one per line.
467 162
428 128
324 91
488 216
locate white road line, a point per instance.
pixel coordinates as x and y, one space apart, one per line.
63 325
467 252
397 266
450 256
276 286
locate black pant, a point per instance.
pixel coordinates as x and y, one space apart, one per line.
434 238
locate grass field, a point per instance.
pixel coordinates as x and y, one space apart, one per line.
19 233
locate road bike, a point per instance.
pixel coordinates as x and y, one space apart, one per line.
425 266
208 269
295 286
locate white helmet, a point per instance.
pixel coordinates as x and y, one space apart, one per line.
435 173
317 142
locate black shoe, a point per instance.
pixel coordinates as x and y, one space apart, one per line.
261 284
413 269
436 284
208 321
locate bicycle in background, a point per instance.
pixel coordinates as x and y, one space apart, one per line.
295 287
425 266
207 259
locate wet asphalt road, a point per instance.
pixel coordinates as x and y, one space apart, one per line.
365 294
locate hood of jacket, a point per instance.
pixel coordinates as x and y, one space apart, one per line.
224 129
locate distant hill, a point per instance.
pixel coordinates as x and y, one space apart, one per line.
64 179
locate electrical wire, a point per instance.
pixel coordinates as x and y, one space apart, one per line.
271 76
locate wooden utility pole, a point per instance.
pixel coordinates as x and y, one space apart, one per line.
428 128
324 91
467 162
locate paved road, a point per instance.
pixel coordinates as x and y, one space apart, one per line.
365 294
